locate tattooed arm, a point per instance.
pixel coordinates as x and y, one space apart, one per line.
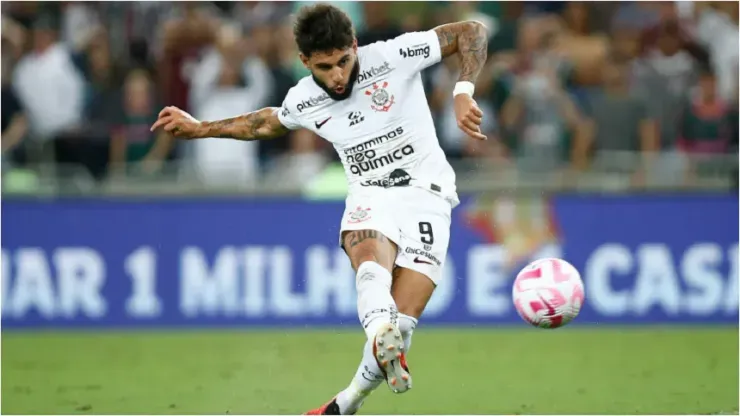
470 41
258 125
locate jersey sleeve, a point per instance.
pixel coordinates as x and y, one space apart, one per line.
286 118
415 51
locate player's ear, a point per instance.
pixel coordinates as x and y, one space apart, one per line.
304 59
354 45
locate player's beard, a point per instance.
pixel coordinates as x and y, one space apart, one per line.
347 90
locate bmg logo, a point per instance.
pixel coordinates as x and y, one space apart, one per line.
418 50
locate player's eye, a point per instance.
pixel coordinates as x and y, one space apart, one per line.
343 62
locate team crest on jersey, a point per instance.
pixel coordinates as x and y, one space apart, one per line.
359 215
381 98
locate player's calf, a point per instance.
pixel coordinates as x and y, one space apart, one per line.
372 255
411 291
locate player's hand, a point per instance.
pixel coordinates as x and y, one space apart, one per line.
178 123
469 116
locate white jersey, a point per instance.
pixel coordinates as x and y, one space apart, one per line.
384 132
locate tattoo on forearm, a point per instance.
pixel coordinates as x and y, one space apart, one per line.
356 237
261 124
241 127
470 41
473 52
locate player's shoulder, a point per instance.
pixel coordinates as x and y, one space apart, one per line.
305 94
403 46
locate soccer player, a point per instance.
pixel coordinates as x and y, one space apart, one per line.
369 102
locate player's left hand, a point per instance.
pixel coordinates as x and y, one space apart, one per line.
469 116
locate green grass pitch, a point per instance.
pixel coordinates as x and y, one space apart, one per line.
493 371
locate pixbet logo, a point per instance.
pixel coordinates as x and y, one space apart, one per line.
311 102
417 50
374 71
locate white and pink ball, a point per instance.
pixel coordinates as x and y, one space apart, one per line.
548 293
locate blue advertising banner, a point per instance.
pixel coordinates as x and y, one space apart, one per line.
241 263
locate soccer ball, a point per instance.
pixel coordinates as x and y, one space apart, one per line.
548 293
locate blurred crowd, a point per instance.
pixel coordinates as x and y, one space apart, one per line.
569 86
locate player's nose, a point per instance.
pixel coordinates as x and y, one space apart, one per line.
337 77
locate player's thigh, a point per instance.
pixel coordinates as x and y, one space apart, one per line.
422 250
368 230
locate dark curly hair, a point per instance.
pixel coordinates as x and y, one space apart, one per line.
322 28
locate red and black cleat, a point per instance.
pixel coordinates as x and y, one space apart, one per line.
331 408
389 351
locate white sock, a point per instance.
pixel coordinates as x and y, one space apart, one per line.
407 324
367 378
375 305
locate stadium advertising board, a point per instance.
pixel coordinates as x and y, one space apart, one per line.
241 263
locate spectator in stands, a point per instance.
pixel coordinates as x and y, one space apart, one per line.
635 16
546 62
228 81
255 14
705 133
14 121
79 22
49 86
134 149
580 43
103 78
378 23
278 49
14 37
507 56
717 31
617 121
184 37
705 126
666 71
539 116
626 24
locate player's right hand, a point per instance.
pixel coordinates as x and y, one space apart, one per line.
178 123
469 116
